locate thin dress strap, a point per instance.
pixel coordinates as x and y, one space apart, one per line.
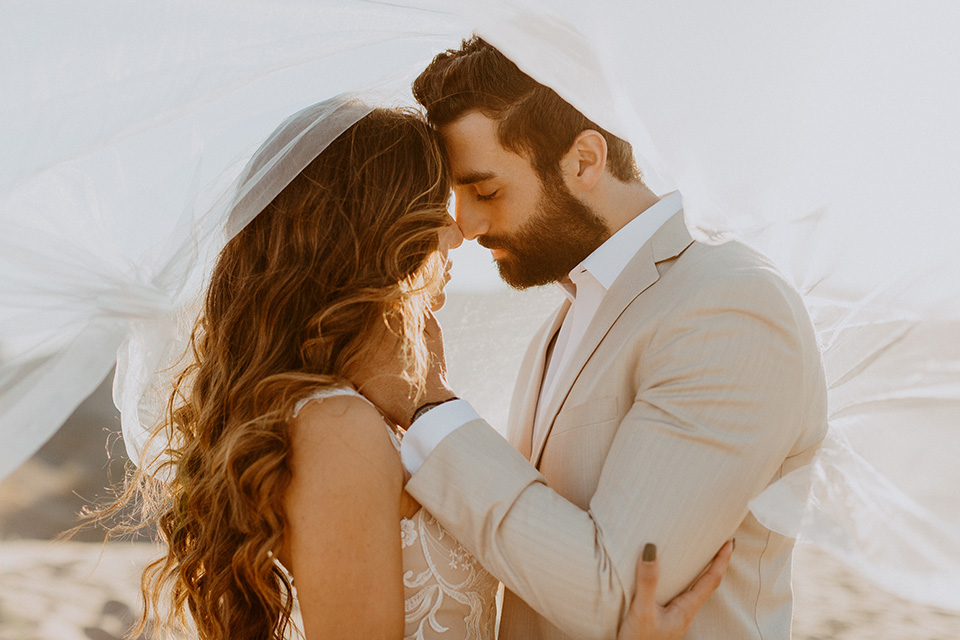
330 392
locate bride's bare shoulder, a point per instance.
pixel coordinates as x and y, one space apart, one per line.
342 427
344 496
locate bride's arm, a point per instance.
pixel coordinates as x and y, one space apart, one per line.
342 542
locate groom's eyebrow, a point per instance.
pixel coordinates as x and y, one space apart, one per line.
474 177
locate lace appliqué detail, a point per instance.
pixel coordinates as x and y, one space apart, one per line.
408 533
447 594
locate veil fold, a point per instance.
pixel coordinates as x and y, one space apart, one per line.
124 147
824 134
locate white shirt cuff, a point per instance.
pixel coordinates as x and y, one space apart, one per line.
425 434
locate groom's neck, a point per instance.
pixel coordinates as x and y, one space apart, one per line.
620 202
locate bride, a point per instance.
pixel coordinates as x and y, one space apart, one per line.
278 483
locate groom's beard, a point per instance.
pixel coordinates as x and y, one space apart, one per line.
562 232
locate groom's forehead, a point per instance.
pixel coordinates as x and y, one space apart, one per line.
475 151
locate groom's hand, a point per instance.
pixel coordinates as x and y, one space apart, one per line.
436 389
386 387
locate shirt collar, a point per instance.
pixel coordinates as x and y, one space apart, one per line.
608 261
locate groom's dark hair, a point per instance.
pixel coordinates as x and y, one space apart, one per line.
530 117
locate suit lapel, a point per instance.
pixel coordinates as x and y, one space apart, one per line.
523 409
640 273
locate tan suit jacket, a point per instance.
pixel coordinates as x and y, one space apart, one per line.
698 383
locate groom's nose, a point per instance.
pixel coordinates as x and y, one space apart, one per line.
470 219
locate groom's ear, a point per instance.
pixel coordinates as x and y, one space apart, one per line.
583 164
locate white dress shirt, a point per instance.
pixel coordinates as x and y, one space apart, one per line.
589 282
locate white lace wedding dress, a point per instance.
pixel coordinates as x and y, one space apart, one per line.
447 594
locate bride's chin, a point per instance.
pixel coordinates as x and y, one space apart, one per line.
440 298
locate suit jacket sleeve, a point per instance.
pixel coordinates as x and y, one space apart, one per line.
721 393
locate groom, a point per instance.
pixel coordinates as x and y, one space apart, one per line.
673 385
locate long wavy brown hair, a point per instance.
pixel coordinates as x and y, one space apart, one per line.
347 250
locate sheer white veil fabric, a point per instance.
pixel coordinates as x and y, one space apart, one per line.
124 146
150 357
824 134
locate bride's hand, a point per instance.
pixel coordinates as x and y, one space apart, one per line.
647 620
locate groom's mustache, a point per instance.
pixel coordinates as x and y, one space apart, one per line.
494 242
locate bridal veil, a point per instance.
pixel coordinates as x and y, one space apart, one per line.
823 133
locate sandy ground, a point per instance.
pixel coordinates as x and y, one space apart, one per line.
81 590
69 591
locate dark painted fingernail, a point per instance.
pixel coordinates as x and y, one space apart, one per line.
733 545
649 552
